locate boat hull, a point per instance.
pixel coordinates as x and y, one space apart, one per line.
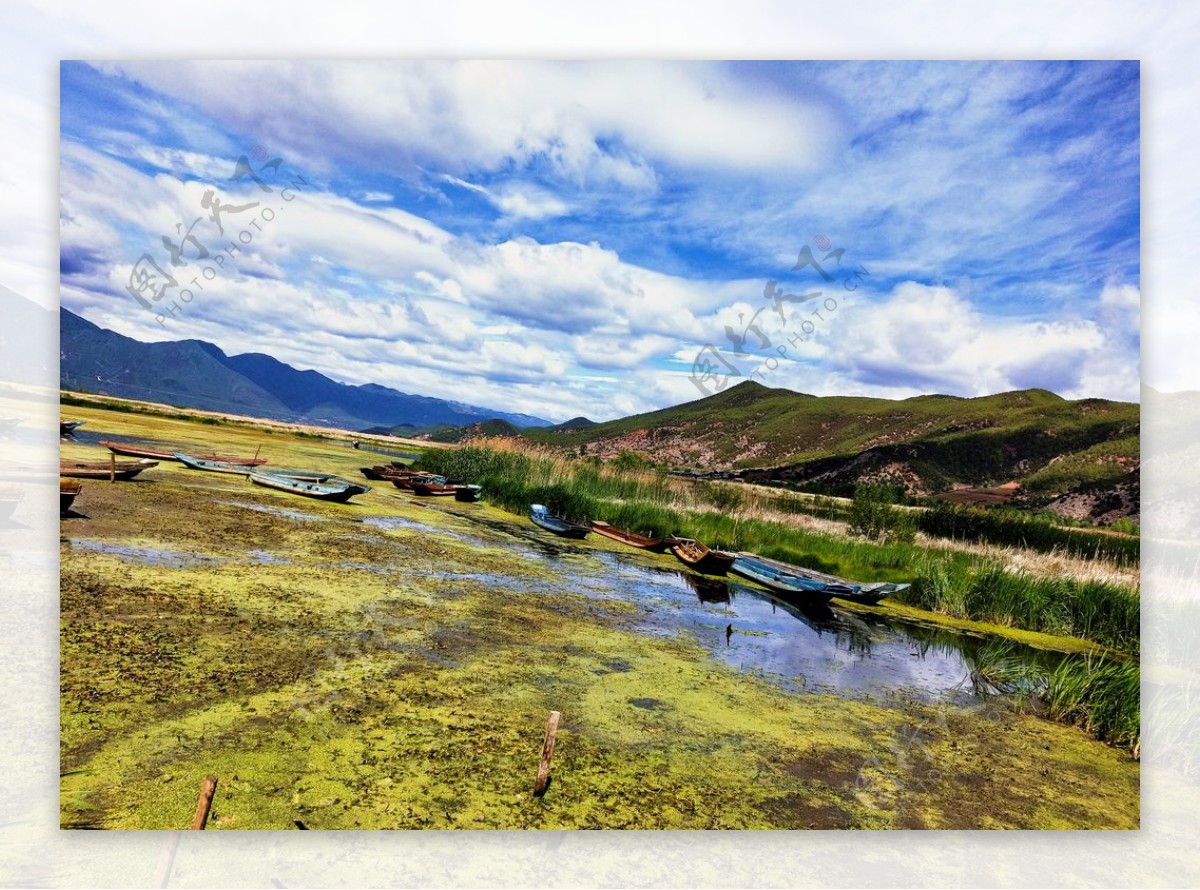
696 556
867 594
319 486
68 490
630 539
556 524
130 450
211 466
794 588
123 471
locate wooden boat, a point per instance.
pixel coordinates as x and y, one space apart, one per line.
696 555
408 481
429 486
102 469
385 474
405 480
641 542
66 427
322 486
213 466
133 450
867 593
68 490
542 516
794 588
467 494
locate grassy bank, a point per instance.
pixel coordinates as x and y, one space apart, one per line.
960 585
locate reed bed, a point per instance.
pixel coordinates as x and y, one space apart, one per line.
953 582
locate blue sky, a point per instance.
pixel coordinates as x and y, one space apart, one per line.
564 238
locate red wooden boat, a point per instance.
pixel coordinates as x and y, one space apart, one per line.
102 469
641 542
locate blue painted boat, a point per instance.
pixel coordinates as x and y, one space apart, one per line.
542 516
213 466
867 593
793 587
322 486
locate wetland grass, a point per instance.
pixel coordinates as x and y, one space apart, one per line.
959 584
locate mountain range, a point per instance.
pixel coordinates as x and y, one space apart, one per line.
198 374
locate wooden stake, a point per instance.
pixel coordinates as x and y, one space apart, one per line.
112 466
543 773
207 789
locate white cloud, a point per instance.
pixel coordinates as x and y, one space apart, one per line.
590 121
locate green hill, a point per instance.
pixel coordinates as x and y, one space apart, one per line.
924 444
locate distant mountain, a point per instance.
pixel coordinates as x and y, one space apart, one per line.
923 444
198 374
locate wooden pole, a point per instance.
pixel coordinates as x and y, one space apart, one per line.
207 789
543 773
112 466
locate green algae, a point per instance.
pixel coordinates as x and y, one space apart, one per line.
376 678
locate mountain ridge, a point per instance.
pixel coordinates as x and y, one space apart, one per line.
198 374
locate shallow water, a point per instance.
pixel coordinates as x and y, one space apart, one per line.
828 649
150 556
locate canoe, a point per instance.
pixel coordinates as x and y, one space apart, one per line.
102 469
429 486
641 542
68 490
867 593
468 494
213 466
406 480
132 450
699 557
794 588
551 523
66 427
322 486
384 474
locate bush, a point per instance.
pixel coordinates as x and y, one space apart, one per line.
873 516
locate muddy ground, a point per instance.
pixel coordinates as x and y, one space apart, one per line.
343 673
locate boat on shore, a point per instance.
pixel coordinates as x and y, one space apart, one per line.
541 515
431 487
385 474
405 480
211 465
867 593
696 555
792 587
632 539
102 469
66 427
322 486
131 449
467 494
68 490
